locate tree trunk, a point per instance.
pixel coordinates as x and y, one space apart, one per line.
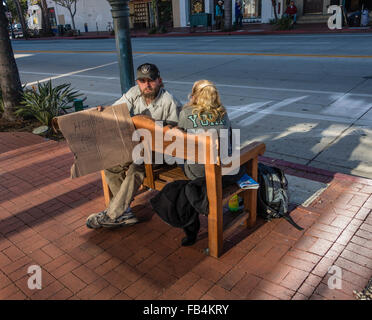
47 29
273 2
72 19
21 19
155 13
10 83
228 15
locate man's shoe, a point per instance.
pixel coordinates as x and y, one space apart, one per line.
93 219
101 219
127 218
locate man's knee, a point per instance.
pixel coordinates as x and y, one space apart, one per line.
136 171
113 170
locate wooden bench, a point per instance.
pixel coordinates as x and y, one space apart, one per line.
157 178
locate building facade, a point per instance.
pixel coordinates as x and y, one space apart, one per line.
262 11
308 7
255 11
95 15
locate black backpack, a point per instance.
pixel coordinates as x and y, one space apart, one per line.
272 195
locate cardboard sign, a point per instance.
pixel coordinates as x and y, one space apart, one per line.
98 139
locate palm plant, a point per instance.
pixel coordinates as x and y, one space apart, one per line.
284 23
45 102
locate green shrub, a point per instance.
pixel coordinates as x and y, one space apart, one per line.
152 30
162 29
272 21
284 23
45 102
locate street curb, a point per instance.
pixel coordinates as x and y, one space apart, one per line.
317 171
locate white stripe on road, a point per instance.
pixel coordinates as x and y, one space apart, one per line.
74 73
318 117
70 73
22 55
74 76
238 112
258 116
104 94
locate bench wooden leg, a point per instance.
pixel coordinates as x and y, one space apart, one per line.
250 196
215 218
106 190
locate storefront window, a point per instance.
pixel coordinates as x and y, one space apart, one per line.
252 9
197 6
141 14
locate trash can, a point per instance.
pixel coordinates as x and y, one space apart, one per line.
365 18
201 19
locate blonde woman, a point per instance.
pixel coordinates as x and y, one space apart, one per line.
203 111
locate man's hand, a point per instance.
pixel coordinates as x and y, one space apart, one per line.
100 108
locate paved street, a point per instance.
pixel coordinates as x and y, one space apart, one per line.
308 97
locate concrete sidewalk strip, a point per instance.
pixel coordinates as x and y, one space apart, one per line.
42 225
304 191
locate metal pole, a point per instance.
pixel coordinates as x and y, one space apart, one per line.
120 14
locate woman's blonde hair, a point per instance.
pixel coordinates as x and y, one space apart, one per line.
204 99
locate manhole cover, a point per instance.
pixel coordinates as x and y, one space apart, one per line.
368 77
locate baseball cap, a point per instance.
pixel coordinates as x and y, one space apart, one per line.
148 71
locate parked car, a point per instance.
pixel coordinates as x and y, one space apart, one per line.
17 31
17 26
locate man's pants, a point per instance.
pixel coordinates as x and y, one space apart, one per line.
123 181
219 22
293 16
239 20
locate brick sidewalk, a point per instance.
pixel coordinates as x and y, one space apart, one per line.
42 222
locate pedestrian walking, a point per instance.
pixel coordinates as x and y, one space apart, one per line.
219 15
238 13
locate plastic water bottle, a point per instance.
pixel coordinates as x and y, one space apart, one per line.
234 203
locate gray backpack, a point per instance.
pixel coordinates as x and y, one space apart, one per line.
272 195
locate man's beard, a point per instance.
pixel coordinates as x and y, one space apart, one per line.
151 94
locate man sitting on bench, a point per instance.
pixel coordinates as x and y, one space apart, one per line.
148 97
